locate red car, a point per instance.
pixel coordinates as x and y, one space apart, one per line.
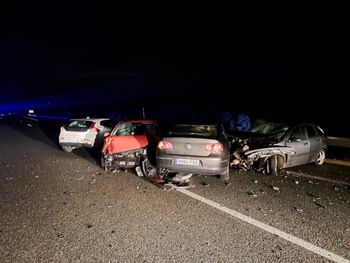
129 143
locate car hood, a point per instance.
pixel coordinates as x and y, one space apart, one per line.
253 139
118 144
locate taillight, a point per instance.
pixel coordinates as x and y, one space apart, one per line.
93 128
215 147
165 145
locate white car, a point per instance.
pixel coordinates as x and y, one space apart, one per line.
84 132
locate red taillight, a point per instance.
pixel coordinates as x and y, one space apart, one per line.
164 145
93 128
215 147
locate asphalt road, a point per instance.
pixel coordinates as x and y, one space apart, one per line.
62 207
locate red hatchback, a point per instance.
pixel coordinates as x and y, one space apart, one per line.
129 143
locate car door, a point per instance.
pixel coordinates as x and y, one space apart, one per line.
298 139
315 142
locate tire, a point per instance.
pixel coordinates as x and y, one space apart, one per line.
67 149
103 162
272 166
321 156
226 175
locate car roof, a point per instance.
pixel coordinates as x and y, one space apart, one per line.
197 123
138 120
289 123
89 119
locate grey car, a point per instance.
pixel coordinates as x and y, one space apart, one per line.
195 149
273 146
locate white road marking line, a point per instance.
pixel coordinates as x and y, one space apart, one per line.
318 178
320 251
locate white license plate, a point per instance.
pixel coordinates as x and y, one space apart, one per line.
186 162
70 139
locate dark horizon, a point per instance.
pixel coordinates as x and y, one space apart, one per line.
256 60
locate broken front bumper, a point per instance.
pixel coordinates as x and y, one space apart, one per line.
124 160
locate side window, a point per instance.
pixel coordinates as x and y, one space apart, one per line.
222 130
107 123
310 131
139 129
150 130
298 134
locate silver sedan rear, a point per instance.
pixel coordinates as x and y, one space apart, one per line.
195 149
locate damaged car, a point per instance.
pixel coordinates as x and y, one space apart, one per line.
269 147
190 148
130 142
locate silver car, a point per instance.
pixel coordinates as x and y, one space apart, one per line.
274 146
195 149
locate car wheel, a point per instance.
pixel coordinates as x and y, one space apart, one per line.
226 175
103 162
271 165
321 156
67 149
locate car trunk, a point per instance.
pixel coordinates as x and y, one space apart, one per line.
193 147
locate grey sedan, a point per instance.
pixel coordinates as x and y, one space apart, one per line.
195 149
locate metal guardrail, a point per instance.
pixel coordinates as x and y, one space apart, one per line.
338 141
342 146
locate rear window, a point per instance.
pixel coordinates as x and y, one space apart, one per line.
79 124
200 130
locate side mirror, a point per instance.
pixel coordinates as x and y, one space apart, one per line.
295 139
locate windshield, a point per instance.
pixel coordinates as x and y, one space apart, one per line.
126 129
268 128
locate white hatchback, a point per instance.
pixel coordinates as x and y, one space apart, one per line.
84 132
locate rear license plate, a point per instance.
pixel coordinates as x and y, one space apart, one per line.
186 162
70 139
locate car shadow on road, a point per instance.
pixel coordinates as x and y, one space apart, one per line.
90 154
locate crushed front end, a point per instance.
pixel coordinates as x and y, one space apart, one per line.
124 160
259 158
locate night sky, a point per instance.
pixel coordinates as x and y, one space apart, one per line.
242 58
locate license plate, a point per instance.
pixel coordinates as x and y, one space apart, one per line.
186 162
73 139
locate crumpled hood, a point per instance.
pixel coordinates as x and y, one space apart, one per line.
118 144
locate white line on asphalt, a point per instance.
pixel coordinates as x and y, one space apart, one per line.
272 230
318 178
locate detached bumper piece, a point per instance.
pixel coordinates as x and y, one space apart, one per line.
163 177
